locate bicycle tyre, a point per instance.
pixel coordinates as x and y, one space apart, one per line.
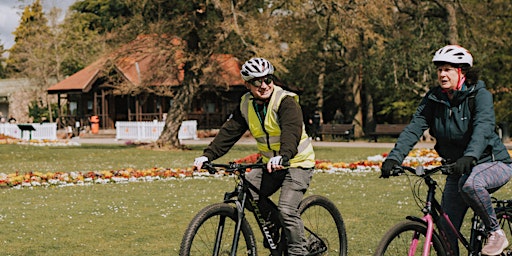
321 216
398 239
504 216
200 235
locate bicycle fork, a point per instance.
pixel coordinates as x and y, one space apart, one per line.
428 237
239 204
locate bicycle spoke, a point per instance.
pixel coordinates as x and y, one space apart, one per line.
324 227
211 232
408 238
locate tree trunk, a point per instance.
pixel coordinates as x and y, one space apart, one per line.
356 91
322 68
177 113
320 90
453 37
370 119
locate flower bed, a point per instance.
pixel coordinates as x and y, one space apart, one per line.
425 157
4 139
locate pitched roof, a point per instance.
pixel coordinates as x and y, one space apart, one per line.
81 81
229 69
136 62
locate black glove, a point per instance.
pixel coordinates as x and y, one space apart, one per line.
464 165
387 167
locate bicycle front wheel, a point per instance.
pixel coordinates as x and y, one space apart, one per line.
408 238
324 226
212 230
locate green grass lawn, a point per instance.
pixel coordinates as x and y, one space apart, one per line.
149 218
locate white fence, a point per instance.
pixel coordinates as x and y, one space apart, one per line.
43 131
145 131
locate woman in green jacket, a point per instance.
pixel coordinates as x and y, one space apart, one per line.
460 115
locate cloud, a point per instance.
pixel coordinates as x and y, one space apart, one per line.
9 20
10 14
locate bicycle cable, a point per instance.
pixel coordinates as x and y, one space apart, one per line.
416 191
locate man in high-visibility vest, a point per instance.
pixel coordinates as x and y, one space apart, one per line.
274 118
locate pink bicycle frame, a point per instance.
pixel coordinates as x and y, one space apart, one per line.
428 237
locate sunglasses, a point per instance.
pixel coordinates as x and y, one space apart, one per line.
257 82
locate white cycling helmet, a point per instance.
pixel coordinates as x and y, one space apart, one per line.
453 54
256 67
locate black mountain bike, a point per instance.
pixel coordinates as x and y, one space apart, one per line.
423 235
222 228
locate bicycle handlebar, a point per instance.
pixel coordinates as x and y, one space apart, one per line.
422 171
231 167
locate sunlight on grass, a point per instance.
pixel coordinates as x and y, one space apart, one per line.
149 218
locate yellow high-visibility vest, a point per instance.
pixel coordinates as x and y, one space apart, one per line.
268 138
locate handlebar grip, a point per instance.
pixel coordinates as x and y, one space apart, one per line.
396 171
448 169
208 166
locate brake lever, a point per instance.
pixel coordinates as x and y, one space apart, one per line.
420 170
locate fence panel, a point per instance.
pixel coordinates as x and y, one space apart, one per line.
150 131
43 131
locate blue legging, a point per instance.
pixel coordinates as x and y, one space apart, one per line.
461 192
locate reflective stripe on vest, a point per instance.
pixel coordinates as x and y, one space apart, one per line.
269 143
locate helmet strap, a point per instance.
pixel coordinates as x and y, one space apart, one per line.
461 80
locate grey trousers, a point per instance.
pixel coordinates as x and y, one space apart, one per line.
473 190
293 183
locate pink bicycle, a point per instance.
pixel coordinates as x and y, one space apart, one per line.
425 236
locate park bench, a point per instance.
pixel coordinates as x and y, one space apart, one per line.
386 130
337 130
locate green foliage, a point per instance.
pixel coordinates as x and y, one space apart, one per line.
80 45
398 111
32 46
2 61
41 113
102 16
322 48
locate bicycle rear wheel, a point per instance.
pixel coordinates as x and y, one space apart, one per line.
398 240
324 226
200 237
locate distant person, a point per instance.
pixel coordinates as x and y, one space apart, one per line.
2 118
69 131
338 117
11 120
314 123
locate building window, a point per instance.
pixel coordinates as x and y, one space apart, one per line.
73 108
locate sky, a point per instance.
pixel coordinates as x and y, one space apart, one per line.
10 14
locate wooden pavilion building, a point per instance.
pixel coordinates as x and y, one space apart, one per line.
126 86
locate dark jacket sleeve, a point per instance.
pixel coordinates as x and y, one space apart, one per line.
412 132
483 124
291 123
230 132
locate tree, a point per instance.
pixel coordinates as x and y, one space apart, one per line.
372 59
81 41
31 56
2 61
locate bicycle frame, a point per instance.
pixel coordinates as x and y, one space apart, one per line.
240 196
433 215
